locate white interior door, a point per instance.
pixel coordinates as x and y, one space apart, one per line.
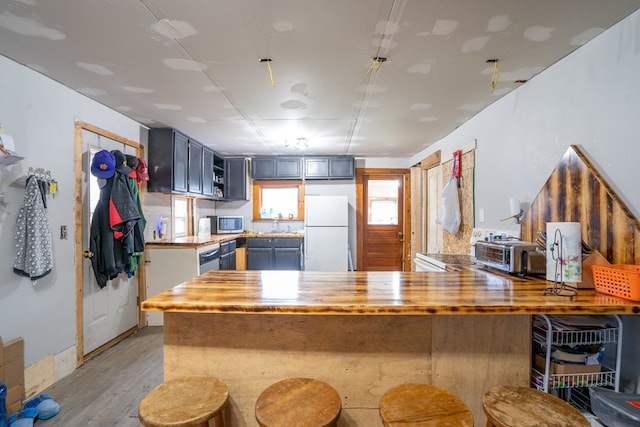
434 201
110 311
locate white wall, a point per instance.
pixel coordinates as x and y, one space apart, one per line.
40 115
592 99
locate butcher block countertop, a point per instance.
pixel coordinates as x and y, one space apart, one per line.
196 241
468 291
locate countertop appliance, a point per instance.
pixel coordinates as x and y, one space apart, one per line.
326 233
227 224
209 260
511 256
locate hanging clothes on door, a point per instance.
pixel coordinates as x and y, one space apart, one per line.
116 235
138 232
34 256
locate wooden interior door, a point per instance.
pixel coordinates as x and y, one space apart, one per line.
381 219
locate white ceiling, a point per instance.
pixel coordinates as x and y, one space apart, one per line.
195 64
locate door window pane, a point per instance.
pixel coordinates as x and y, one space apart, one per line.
382 202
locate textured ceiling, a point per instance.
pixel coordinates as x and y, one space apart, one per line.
195 64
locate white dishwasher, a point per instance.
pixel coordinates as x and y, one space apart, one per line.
168 266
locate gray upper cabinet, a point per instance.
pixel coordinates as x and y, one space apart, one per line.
276 167
237 181
179 164
329 167
168 161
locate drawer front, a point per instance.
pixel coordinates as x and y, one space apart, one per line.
286 242
259 242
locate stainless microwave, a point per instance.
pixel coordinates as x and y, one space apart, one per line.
227 224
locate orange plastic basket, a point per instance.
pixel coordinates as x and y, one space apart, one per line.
621 280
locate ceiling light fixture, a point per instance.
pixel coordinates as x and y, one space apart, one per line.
376 65
496 73
268 62
298 144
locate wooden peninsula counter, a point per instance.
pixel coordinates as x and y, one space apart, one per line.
362 332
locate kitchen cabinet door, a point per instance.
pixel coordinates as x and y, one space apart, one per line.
276 167
207 172
259 258
195 167
180 162
236 179
329 167
286 259
168 161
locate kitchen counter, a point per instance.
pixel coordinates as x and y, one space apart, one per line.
468 291
362 332
196 241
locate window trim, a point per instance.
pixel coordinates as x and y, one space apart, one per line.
258 185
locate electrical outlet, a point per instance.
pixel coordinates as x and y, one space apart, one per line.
481 215
63 232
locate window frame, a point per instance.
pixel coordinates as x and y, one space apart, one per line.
258 185
189 216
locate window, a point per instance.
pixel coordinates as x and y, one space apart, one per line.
278 200
180 216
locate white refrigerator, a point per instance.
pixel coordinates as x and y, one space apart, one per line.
326 233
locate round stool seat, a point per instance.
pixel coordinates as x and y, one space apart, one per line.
423 405
184 402
507 406
298 402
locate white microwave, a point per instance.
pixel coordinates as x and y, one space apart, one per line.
227 224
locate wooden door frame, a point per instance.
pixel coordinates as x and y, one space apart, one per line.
78 244
406 211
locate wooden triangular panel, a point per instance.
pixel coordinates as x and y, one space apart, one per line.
576 192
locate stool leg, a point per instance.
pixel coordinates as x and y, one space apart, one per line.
217 421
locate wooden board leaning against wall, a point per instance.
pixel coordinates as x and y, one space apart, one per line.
458 243
581 194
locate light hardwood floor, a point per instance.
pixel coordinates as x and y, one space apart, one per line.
108 388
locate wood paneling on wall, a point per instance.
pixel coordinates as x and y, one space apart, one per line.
576 192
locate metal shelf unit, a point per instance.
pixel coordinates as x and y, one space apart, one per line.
609 376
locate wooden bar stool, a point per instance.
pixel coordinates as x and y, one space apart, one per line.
423 405
507 406
298 402
185 402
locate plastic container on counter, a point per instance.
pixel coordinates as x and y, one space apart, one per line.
615 409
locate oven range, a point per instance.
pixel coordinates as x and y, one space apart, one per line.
440 262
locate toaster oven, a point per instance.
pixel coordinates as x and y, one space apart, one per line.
514 257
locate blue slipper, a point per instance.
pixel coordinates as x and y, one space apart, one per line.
24 418
44 405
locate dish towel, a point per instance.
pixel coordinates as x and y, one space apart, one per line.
34 257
